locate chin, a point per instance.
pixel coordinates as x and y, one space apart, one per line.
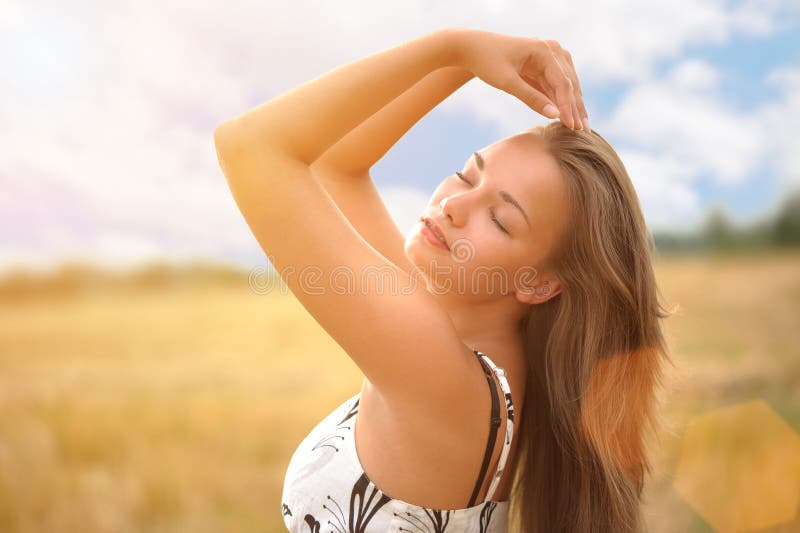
423 256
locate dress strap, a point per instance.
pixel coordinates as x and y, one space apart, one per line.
501 376
495 423
489 368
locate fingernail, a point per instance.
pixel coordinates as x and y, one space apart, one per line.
550 111
586 124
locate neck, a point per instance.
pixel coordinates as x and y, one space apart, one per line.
490 325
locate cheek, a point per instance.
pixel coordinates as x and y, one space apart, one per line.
483 276
491 246
483 257
480 244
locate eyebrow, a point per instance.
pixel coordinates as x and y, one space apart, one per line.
503 194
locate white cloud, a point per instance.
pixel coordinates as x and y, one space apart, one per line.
405 204
663 185
685 118
779 121
484 104
694 75
106 145
684 115
613 41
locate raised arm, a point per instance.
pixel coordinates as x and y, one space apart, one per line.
368 142
307 120
344 169
400 337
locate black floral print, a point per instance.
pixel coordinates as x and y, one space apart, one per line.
327 459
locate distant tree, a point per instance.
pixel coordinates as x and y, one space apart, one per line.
719 231
786 229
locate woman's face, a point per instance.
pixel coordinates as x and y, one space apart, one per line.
499 221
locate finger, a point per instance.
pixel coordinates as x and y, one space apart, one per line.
577 123
530 77
555 77
545 89
574 94
561 57
558 79
579 92
532 97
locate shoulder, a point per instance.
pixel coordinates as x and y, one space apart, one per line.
450 398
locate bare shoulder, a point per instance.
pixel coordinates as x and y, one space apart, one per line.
450 399
428 450
383 316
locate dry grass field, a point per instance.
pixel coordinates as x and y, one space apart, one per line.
173 403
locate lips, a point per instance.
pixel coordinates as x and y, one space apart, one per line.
436 229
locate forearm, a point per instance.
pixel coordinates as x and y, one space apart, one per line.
304 122
367 143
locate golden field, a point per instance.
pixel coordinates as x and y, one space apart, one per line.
172 403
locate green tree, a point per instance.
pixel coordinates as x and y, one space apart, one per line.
786 229
719 231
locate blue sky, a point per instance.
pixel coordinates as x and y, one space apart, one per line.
745 63
440 141
108 153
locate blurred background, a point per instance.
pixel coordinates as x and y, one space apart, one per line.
154 376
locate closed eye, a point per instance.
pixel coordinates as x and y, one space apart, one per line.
491 213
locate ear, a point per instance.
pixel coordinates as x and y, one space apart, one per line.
539 292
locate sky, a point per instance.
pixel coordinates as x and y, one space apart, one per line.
108 110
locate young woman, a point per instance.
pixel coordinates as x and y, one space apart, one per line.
528 274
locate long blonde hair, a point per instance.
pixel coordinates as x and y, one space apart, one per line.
595 353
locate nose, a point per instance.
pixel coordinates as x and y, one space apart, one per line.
448 210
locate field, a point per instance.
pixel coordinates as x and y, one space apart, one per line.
172 403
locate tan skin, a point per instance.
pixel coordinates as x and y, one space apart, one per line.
440 468
425 401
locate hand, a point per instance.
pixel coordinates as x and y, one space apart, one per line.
538 72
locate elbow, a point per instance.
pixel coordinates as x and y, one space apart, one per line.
223 135
225 145
235 137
